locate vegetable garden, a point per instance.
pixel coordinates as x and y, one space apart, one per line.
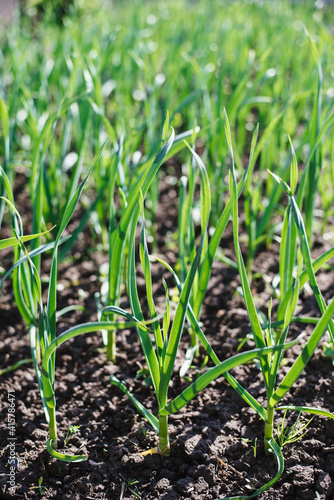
166 273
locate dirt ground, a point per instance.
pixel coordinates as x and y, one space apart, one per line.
217 443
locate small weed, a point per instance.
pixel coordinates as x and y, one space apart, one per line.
328 349
72 429
254 447
287 435
42 489
129 484
144 430
145 374
245 441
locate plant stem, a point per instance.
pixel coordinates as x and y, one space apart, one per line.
53 426
193 335
194 341
164 445
111 347
268 428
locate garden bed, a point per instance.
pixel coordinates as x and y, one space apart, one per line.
216 449
96 101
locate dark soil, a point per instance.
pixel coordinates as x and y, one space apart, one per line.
217 441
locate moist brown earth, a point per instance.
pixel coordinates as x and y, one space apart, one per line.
216 440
